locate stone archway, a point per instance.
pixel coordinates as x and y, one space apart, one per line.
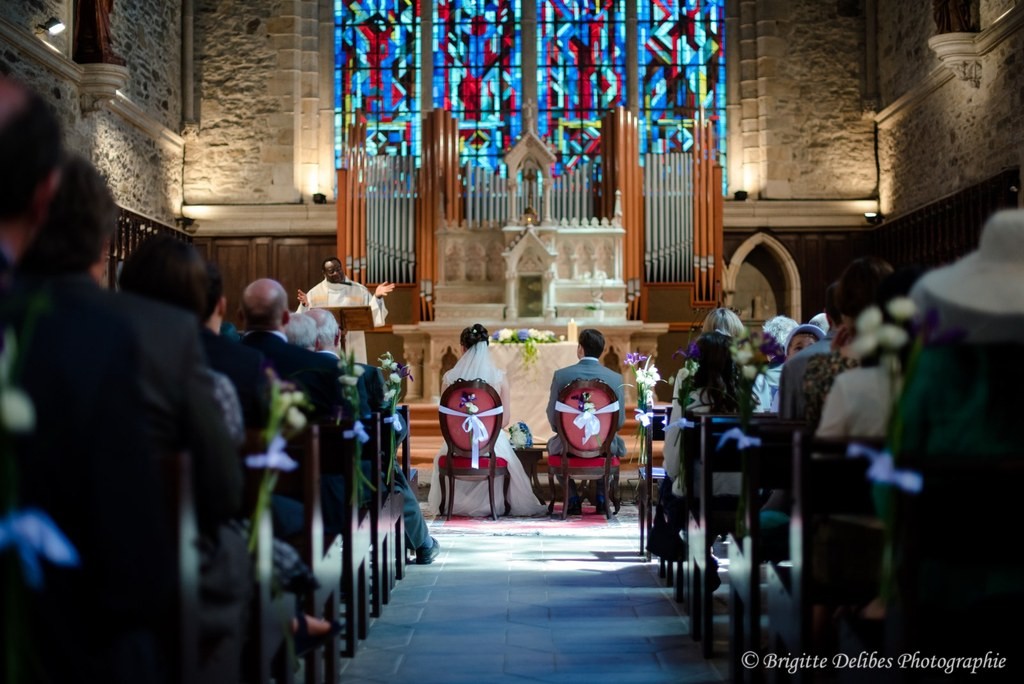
791 275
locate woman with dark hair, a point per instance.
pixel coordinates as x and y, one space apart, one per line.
472 498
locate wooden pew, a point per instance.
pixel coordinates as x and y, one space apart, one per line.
825 483
355 568
769 466
957 581
266 650
177 471
320 551
387 523
648 475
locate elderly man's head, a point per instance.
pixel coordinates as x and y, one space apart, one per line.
265 305
328 335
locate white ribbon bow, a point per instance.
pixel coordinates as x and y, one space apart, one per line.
743 441
587 420
396 422
683 423
473 424
884 471
34 534
357 431
275 457
644 417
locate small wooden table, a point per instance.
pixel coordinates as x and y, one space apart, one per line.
530 457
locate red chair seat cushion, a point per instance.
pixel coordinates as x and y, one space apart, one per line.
459 462
555 461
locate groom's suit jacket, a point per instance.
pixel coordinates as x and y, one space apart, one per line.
587 368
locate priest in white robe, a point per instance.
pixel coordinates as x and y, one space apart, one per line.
337 290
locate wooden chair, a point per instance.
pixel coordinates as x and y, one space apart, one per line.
768 466
826 483
586 457
461 432
649 475
177 472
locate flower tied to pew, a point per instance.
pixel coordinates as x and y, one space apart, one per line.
467 405
29 533
751 354
647 376
350 409
286 419
586 419
394 373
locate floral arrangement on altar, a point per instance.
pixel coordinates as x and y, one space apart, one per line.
647 376
529 338
520 436
752 355
394 374
287 419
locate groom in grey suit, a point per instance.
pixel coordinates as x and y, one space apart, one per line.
591 346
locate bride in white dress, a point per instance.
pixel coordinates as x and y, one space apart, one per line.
471 498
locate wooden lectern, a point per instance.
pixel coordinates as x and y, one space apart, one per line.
352 318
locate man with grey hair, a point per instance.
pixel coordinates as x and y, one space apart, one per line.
301 331
328 334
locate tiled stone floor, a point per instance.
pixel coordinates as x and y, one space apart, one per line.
534 600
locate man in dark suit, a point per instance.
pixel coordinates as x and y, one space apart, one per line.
88 462
371 399
245 367
265 311
591 346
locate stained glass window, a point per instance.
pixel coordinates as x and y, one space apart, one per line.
376 72
682 70
581 72
477 75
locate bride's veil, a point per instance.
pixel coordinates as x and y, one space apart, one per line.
476 363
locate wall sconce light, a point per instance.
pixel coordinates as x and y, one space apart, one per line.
53 26
319 198
740 195
186 223
873 217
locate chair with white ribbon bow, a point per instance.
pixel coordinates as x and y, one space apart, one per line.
587 433
470 414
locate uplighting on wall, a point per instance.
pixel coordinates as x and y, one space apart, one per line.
53 26
873 217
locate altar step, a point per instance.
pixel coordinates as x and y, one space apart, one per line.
425 439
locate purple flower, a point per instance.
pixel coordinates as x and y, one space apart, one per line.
404 371
769 347
523 334
635 358
467 398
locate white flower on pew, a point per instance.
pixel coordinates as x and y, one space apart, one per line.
901 309
17 413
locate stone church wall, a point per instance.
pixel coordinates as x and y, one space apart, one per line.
816 142
936 141
134 142
244 150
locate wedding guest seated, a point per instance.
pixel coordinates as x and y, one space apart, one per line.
856 291
97 615
860 401
371 395
724 321
471 498
301 331
790 401
589 350
244 366
265 311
